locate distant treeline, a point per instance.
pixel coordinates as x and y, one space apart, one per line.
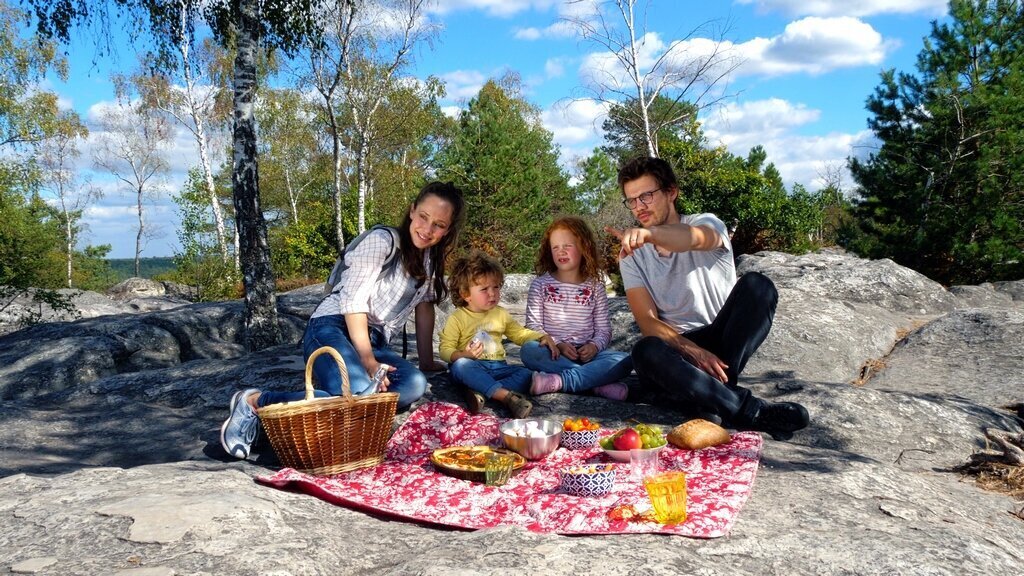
124 268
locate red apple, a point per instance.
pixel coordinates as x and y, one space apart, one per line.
628 440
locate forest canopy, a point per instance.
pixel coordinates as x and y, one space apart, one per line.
346 137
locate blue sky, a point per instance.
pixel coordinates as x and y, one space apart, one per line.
807 68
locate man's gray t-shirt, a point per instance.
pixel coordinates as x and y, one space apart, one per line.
688 288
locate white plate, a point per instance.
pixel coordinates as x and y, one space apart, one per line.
623 455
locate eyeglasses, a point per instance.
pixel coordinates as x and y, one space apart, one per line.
644 199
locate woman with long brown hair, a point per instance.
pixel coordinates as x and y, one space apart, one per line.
387 275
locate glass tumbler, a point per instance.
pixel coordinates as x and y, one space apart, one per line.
643 463
667 492
498 469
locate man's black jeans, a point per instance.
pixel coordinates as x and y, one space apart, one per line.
740 327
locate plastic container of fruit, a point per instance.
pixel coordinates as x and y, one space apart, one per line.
579 439
648 436
623 455
588 480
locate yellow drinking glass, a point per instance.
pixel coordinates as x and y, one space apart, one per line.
498 469
667 492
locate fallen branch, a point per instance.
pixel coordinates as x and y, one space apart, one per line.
1012 445
998 471
899 459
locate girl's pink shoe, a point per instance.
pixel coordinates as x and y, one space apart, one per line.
544 383
614 391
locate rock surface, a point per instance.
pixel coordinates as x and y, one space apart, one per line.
111 462
130 296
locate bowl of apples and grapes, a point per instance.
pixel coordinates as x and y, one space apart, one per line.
635 437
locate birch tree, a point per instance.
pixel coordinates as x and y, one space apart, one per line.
131 146
352 68
192 104
371 73
286 120
637 65
58 156
326 58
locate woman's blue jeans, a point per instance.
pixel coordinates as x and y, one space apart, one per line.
488 376
407 380
607 367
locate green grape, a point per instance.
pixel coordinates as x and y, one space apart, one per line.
647 430
608 442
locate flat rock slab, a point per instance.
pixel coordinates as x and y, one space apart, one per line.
110 460
975 353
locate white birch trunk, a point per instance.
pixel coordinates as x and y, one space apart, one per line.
142 226
199 132
261 327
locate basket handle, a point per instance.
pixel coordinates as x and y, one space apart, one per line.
346 389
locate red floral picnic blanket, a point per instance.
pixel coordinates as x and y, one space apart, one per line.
406 485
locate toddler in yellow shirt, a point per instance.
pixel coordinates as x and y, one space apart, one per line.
471 340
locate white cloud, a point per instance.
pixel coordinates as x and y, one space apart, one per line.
814 46
499 8
554 67
528 33
810 46
756 120
559 29
575 126
848 8
113 220
772 124
463 84
107 211
808 159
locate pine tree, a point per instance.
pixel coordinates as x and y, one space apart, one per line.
505 163
943 194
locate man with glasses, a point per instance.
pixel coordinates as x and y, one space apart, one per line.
699 324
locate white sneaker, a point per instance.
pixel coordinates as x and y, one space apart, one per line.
239 431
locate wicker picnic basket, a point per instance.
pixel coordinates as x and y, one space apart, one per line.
325 436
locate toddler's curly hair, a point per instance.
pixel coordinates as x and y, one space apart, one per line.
467 270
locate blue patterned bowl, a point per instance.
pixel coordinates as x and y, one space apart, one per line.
589 480
579 439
